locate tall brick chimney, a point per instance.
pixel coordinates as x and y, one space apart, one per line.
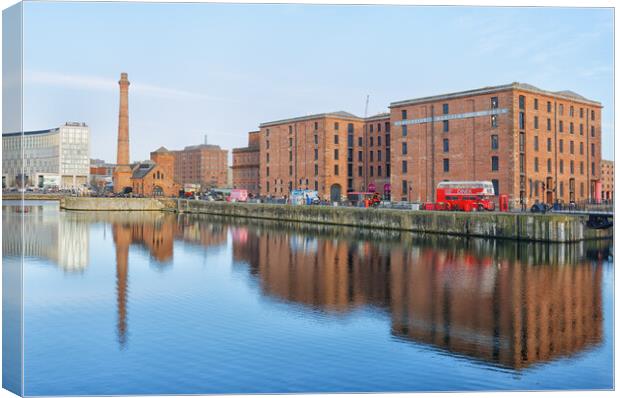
122 154
122 173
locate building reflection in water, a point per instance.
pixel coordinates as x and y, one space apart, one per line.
506 303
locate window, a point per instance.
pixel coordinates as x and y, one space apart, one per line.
495 183
521 120
536 122
548 165
267 134
592 152
548 124
521 163
581 112
404 166
379 171
267 158
316 185
494 163
536 103
404 126
290 170
593 170
446 145
290 142
561 188
572 147
446 126
379 155
592 132
494 103
403 114
561 166
521 102
350 155
379 139
360 171
350 129
371 128
572 167
335 154
404 148
316 154
336 139
372 141
592 115
359 141
359 156
372 171
580 129
536 143
387 127
521 142
379 127
335 169
336 125
561 109
316 169
372 157
494 142
581 188
267 144
536 164
290 156
446 165
548 106
581 168
571 128
561 146
404 184
267 173
493 120
581 148
560 126
387 170
387 139
290 129
446 109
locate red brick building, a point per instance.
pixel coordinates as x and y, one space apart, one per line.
607 180
204 164
531 143
245 164
155 178
310 152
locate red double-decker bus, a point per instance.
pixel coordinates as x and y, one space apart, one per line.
463 196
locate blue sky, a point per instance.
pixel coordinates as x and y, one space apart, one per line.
221 69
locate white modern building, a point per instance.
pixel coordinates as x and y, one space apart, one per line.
59 157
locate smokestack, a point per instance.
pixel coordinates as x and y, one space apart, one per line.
122 155
205 139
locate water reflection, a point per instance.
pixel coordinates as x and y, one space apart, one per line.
505 303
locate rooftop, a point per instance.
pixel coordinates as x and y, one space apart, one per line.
338 115
566 94
142 170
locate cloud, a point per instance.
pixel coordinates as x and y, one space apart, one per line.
98 83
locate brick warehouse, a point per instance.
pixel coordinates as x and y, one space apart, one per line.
206 165
331 153
246 164
531 143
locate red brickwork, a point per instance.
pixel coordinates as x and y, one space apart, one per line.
607 179
245 166
206 165
474 140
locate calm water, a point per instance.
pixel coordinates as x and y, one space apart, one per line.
153 303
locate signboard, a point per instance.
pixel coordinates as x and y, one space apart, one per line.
387 187
372 187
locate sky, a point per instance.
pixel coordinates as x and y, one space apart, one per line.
222 69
